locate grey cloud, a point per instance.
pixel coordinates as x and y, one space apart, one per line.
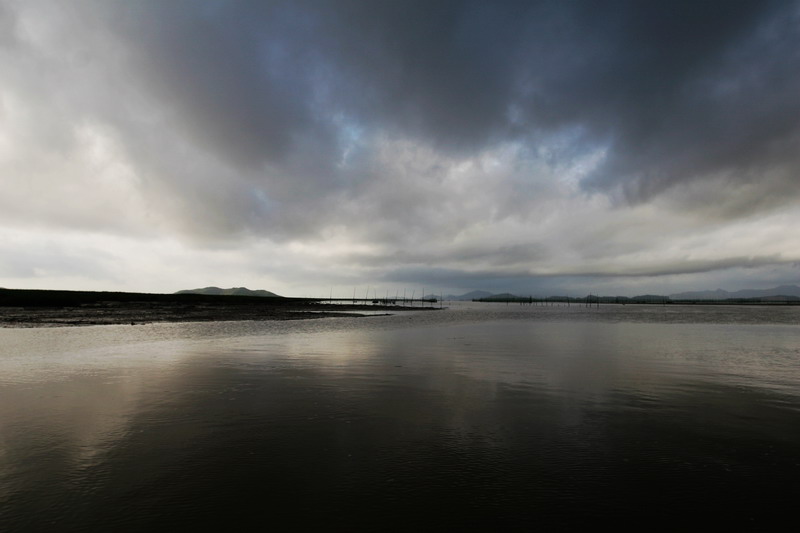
7 27
503 257
675 91
440 275
52 259
579 281
701 90
436 279
229 72
285 120
688 266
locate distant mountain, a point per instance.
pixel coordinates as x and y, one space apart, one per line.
719 294
235 291
502 297
474 295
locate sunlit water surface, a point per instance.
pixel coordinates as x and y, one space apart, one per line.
481 415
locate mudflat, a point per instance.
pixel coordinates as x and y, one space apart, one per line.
43 308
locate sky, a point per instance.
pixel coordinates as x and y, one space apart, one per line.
318 147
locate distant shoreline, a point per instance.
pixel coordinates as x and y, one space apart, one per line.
45 308
604 300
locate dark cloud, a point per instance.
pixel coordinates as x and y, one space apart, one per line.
689 266
581 281
240 77
675 91
713 95
435 279
464 135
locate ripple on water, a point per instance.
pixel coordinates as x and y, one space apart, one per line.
474 416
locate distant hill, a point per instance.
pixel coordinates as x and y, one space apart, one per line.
649 298
502 297
719 294
474 295
235 291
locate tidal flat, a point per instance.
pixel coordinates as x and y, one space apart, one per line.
478 416
34 308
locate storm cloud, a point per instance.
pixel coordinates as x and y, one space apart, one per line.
304 144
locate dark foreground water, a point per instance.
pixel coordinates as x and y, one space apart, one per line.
487 417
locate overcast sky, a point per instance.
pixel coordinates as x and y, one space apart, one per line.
309 146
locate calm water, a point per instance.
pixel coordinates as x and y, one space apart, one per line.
482 415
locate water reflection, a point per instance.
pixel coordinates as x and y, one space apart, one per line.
393 424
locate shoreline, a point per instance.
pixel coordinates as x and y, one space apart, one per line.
15 317
32 309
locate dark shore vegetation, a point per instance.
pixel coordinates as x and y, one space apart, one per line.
40 308
638 300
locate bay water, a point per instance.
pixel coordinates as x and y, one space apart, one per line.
479 416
